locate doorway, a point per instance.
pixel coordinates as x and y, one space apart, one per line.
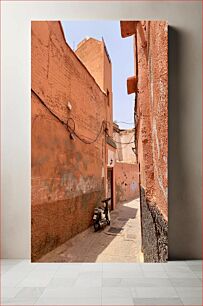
110 185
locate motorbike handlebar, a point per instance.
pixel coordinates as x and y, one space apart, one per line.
106 200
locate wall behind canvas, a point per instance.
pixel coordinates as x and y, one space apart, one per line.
185 96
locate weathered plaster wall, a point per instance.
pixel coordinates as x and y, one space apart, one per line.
127 181
152 136
90 52
128 136
95 57
116 137
158 82
108 88
67 175
185 113
125 145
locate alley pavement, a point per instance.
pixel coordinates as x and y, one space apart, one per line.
119 242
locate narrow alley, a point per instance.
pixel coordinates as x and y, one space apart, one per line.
119 242
83 153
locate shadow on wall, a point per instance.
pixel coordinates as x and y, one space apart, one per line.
122 194
87 243
54 223
184 211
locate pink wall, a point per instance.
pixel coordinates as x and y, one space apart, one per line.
127 181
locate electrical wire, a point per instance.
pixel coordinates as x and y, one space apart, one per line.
72 130
79 137
125 143
68 127
52 113
124 146
130 123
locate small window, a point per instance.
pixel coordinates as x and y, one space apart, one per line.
108 97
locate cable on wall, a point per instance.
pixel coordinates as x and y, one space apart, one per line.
51 112
72 130
125 143
130 123
130 142
68 125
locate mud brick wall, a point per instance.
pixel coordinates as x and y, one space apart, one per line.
152 136
155 240
67 179
90 52
94 55
125 151
127 181
157 34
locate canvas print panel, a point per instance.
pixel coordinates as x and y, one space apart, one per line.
99 141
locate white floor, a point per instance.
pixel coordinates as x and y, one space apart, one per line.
173 283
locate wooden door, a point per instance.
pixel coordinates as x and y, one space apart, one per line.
110 186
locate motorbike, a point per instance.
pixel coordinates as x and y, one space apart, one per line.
102 215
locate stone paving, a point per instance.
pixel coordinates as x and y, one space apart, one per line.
119 242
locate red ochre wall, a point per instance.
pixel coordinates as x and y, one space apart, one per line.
152 137
127 181
159 99
95 57
90 52
67 175
153 110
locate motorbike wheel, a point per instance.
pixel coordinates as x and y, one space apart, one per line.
96 227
